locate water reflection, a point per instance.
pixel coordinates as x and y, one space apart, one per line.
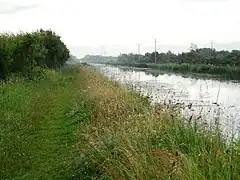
208 100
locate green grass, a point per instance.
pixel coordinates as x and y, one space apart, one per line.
76 124
37 129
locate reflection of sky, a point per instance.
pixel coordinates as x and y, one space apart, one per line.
197 91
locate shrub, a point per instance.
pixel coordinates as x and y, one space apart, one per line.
23 53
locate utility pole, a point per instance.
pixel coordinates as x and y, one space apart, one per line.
211 47
155 51
139 52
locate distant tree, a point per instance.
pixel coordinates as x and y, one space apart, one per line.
193 47
199 56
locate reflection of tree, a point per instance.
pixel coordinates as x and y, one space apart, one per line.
127 69
155 74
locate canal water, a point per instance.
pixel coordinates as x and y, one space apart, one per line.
207 101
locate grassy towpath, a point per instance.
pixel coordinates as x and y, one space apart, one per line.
38 126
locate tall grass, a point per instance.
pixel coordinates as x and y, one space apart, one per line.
76 124
129 139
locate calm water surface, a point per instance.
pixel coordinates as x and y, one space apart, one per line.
210 100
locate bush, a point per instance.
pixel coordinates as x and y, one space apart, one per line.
24 53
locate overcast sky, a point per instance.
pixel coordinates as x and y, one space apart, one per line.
124 23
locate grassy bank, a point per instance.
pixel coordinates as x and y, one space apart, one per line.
37 126
76 124
229 72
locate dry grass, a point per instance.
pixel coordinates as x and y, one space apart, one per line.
111 100
127 138
119 132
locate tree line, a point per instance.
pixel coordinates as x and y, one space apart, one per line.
98 59
196 56
24 53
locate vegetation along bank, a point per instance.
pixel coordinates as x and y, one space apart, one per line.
71 122
202 60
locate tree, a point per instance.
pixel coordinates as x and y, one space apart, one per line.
193 47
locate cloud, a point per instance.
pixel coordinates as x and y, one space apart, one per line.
8 8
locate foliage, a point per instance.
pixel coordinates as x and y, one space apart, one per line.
98 59
24 52
203 60
195 56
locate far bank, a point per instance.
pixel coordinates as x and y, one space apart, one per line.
200 70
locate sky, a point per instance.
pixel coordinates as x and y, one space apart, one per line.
117 26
